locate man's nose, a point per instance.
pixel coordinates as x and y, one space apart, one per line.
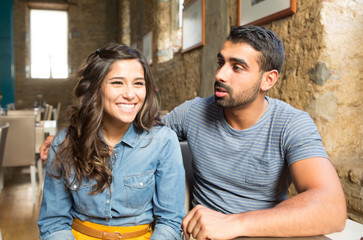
222 74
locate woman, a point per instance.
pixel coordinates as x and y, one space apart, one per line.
114 170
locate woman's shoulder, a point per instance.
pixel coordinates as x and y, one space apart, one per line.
59 138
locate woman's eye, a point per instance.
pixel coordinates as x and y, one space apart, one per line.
116 83
141 83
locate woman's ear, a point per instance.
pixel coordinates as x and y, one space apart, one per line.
269 79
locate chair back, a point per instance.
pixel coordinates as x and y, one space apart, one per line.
48 112
4 127
189 175
21 113
56 115
20 143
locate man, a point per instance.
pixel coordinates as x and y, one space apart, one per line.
247 148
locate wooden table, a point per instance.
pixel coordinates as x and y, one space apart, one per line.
352 231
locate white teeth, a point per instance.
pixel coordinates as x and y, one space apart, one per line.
128 106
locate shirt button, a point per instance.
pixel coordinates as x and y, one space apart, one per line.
107 201
141 184
115 154
74 186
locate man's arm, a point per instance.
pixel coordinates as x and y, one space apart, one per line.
318 208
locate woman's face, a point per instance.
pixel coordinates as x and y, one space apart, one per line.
124 92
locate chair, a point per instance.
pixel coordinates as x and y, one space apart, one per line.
21 113
20 145
56 114
33 112
3 134
189 174
48 112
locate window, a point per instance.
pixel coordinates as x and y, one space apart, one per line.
48 44
180 13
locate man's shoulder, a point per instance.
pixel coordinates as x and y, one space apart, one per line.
196 105
198 101
279 106
286 115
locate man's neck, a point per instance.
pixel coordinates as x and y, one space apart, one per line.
246 116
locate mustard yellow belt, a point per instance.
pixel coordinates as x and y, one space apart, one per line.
83 230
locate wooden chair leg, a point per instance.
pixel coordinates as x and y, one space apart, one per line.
33 182
40 173
1 179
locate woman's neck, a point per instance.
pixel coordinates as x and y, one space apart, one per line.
114 133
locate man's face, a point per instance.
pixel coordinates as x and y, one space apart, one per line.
238 76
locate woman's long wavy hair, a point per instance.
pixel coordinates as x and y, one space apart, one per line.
83 155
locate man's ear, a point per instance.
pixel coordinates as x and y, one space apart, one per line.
269 79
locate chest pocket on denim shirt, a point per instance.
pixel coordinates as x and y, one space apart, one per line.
139 189
82 200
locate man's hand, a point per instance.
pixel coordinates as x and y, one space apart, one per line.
203 223
44 149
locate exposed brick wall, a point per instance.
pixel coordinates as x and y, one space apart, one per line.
92 24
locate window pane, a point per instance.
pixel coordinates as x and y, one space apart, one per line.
48 44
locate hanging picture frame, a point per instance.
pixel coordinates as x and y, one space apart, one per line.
147 47
258 12
193 25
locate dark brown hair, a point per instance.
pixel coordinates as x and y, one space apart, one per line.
83 149
263 40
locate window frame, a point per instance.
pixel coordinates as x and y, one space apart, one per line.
49 7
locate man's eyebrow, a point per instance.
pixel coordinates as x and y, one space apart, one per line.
241 61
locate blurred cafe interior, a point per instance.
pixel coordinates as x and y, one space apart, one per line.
44 42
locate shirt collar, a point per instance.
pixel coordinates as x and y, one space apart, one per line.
130 138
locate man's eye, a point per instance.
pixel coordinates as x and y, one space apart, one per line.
237 68
220 64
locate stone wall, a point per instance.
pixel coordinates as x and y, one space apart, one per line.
337 104
322 75
316 77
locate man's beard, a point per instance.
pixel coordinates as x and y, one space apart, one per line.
241 99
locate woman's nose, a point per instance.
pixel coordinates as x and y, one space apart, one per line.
129 92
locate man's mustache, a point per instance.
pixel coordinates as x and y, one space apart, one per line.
226 87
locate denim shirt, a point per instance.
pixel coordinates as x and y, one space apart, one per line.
148 181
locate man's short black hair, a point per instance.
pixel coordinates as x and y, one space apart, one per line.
262 40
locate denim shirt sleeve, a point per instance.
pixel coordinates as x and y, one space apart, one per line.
60 235
55 220
169 196
164 232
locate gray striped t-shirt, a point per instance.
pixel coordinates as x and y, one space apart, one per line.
242 170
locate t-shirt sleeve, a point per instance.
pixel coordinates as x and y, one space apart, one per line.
302 139
177 119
